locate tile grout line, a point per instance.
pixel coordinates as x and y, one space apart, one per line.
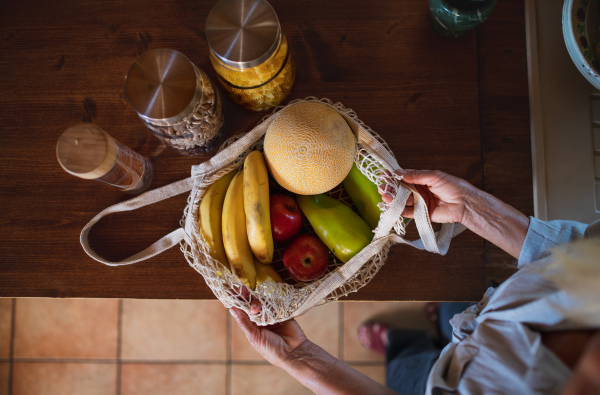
119 345
64 360
228 354
12 345
341 330
135 361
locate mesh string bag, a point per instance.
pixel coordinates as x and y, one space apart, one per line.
289 299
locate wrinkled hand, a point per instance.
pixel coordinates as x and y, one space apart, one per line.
279 344
243 293
446 196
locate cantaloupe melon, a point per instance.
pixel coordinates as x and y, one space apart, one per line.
309 148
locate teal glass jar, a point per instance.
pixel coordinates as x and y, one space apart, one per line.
455 18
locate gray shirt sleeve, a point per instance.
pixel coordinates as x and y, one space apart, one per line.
543 235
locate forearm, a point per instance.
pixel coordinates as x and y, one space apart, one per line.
322 373
496 221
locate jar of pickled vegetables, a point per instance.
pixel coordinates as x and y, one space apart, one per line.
250 53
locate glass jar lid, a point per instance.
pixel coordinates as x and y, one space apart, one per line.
243 33
161 85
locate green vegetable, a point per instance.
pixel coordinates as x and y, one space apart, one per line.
343 231
364 195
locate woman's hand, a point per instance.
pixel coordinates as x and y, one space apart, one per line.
450 199
279 344
285 345
446 196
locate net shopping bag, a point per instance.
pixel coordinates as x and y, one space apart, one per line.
283 301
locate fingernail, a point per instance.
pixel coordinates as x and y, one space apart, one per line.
400 172
233 313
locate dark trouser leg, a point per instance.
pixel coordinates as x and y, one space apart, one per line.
409 358
446 311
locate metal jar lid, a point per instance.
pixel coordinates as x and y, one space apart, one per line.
243 33
161 86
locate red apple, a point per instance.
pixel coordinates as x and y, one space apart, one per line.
286 218
306 258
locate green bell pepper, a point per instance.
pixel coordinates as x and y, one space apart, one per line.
343 231
364 195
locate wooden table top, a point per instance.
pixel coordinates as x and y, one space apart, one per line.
457 105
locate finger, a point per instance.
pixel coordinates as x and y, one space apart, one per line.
423 191
408 212
383 188
422 177
428 197
255 307
243 294
250 329
431 205
386 174
243 321
387 198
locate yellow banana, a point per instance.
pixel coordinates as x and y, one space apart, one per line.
266 273
235 237
256 206
210 217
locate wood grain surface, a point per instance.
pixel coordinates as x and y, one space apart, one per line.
459 105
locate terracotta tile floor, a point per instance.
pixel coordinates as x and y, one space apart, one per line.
110 346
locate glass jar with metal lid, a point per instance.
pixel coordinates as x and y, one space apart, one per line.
176 100
250 53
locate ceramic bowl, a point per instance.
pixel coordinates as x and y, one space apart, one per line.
581 30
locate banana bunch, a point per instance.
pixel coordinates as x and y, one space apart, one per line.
256 206
235 236
235 223
211 215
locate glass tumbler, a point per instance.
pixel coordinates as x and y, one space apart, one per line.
176 101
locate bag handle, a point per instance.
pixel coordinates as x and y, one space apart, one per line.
163 193
437 242
145 199
430 241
